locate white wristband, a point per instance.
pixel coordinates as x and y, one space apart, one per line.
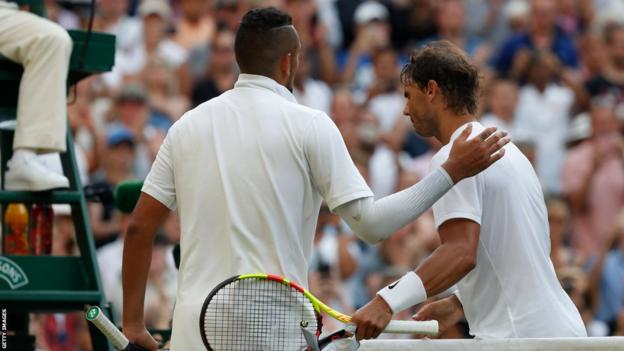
404 293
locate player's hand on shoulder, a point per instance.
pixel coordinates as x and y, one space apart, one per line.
468 157
139 336
372 319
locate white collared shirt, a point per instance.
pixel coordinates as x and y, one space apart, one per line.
513 291
247 171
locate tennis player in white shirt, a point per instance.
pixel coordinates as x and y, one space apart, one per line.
493 226
247 172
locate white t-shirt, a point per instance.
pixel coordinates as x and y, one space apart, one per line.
513 291
545 117
247 171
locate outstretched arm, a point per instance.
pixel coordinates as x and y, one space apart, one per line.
374 221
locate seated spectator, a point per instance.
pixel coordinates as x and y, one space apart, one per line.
542 34
593 181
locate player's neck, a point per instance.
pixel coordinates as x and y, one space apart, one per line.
449 124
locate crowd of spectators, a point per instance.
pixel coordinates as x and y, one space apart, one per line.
552 76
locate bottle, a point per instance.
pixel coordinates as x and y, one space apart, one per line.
41 232
16 240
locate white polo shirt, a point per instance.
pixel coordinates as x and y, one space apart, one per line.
247 171
513 291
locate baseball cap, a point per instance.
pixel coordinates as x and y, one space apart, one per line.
118 135
370 11
155 7
132 92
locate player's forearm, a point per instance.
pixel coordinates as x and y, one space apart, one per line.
374 221
137 256
448 264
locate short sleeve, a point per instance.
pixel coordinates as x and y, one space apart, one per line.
464 200
333 172
159 183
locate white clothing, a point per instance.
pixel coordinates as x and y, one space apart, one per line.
387 108
492 120
383 167
109 259
513 291
44 49
545 117
316 94
247 171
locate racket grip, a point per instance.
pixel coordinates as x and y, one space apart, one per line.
116 337
429 328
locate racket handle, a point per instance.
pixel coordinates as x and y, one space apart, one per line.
110 331
429 328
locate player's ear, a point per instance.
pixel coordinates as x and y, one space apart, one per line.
285 63
431 90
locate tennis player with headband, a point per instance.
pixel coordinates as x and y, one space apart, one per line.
247 172
493 227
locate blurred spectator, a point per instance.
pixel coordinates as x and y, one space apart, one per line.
112 17
542 34
228 13
544 109
610 80
157 16
309 91
165 101
372 31
562 253
132 112
502 103
593 56
412 21
222 70
450 20
57 13
195 27
516 13
593 181
116 167
609 271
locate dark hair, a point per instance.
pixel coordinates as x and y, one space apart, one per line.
448 66
258 45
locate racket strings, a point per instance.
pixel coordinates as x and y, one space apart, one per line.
258 315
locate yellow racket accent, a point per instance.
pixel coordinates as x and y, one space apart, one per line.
318 305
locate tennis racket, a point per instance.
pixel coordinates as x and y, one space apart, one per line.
258 312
